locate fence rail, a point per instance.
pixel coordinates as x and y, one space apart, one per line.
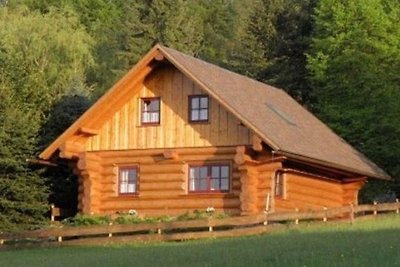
183 230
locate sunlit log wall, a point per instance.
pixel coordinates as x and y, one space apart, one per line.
305 192
163 183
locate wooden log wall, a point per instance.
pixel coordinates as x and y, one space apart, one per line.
256 170
248 194
266 173
350 192
124 130
309 193
163 182
89 170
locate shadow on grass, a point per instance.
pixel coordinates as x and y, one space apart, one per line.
291 248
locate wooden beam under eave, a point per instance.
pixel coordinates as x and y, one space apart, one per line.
70 150
159 56
88 131
170 154
243 155
257 143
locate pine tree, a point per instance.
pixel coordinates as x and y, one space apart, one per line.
23 196
277 38
174 23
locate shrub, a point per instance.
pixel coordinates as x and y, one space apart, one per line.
80 220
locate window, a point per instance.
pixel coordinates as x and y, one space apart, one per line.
128 182
209 178
279 185
198 108
151 110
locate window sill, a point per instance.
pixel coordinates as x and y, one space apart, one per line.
198 122
148 125
207 194
134 195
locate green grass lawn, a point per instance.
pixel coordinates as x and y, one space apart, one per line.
367 243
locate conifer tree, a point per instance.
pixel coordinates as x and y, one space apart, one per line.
355 62
278 37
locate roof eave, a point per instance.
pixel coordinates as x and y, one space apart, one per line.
383 175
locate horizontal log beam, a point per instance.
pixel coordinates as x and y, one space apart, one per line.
257 143
159 151
171 154
88 131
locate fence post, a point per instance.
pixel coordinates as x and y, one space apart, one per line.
398 206
351 213
325 216
52 212
297 220
210 228
110 234
266 218
375 208
267 202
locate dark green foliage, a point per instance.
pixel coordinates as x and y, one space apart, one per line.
174 23
277 38
63 185
355 65
41 57
83 220
22 191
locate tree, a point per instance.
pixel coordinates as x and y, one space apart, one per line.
41 56
277 38
354 61
23 195
174 23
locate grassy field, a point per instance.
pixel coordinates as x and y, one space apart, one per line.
367 243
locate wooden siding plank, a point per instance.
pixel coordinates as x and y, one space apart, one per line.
123 129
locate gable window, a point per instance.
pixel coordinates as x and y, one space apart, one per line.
209 178
279 185
128 180
150 110
198 108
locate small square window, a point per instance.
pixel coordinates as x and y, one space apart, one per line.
128 180
198 108
150 110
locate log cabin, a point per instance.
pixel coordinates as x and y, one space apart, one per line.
177 134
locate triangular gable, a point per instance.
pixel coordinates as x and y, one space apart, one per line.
279 120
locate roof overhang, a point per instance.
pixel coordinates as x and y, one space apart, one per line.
302 158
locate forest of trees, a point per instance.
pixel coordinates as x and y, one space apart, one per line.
339 58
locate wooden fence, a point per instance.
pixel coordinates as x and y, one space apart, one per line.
184 230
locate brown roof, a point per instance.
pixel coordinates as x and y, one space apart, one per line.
276 117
